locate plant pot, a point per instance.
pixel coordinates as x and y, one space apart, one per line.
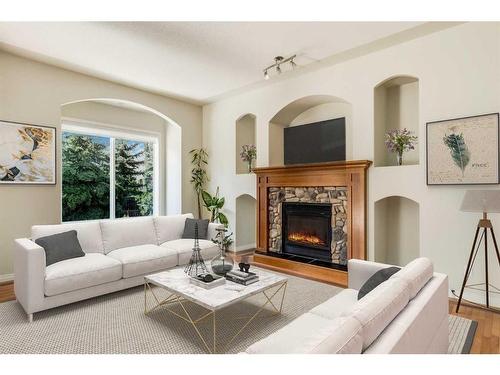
221 263
400 158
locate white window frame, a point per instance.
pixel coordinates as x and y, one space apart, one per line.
95 129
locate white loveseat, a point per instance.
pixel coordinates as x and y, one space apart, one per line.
408 313
118 253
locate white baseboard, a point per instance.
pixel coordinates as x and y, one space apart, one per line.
244 247
6 278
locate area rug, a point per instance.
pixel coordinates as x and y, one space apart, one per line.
116 324
461 331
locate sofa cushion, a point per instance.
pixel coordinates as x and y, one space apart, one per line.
171 227
376 279
184 247
190 228
78 273
60 246
416 273
89 234
120 233
337 305
313 334
144 259
379 307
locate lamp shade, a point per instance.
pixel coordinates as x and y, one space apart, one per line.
481 201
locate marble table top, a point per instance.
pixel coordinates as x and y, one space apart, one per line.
177 282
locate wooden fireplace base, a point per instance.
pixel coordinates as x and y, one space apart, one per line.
309 271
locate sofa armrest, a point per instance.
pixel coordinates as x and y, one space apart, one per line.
29 274
211 232
359 271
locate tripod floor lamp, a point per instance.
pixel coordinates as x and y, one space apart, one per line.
484 201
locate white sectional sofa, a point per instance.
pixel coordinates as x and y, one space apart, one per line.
118 253
408 313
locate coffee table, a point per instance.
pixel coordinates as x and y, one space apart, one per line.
181 291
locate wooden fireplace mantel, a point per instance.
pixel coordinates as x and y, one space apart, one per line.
351 174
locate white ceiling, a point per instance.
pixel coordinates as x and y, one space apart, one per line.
196 61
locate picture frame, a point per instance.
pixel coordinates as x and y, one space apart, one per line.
27 154
457 154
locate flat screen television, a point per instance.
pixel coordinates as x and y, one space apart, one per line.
317 142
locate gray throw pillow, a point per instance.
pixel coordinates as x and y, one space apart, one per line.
376 279
189 228
60 246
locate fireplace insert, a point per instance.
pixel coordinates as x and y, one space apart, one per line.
307 230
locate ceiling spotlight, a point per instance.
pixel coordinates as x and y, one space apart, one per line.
278 61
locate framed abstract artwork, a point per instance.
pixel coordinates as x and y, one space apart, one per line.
27 154
463 151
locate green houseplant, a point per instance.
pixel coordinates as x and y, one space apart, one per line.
199 177
214 204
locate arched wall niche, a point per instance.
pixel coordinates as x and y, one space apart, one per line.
305 110
397 233
396 106
171 151
245 135
245 234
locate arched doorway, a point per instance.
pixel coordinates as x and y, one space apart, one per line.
169 152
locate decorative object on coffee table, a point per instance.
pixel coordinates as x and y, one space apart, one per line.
463 151
196 265
400 141
244 267
248 154
484 201
221 263
271 287
207 280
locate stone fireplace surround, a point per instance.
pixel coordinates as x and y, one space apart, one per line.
351 175
336 195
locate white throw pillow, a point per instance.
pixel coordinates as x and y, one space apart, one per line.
120 233
416 273
88 233
169 228
377 309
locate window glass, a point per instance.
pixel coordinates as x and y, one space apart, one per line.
85 177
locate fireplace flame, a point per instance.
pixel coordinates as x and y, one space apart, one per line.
305 238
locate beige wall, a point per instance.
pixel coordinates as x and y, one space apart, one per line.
457 70
33 92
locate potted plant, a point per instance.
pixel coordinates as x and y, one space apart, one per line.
222 263
199 160
400 141
214 204
248 154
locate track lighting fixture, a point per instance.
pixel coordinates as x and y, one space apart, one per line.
278 61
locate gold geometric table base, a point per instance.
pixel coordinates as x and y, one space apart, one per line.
178 300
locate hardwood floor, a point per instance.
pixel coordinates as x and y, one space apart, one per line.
486 340
7 292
